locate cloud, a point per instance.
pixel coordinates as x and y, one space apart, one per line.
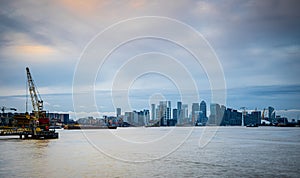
257 42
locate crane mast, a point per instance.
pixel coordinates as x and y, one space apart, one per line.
37 102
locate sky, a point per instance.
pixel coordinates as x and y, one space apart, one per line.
90 57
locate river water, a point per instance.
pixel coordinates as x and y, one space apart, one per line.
156 152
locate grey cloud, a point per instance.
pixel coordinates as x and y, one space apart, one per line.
257 41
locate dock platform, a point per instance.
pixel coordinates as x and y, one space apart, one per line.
29 134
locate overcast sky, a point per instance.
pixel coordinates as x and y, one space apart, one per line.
256 44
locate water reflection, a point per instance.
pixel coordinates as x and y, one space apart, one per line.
233 152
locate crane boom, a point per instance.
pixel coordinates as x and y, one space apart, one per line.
37 102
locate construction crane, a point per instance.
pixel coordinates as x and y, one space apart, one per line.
37 102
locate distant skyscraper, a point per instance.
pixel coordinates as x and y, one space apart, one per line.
202 119
179 113
195 112
129 117
135 117
256 117
179 105
221 114
272 118
146 114
175 116
162 112
214 113
203 110
153 112
185 113
118 112
169 110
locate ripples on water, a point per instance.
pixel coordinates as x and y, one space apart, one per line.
156 152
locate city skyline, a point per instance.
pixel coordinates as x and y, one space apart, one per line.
256 43
163 114
217 115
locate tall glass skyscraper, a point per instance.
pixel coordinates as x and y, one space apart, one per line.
203 110
179 113
272 118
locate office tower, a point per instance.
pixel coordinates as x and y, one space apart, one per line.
129 117
169 110
175 116
272 118
66 118
118 112
214 113
253 118
162 113
195 112
185 113
203 110
153 112
256 117
135 117
179 113
202 118
179 105
146 117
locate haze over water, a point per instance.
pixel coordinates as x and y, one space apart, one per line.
232 152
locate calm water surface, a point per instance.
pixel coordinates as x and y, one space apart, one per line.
156 152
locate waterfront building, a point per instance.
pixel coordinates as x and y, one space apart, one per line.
203 110
253 118
118 112
66 118
162 113
141 118
214 112
282 120
146 116
169 110
175 116
153 112
179 113
135 118
195 112
202 118
231 117
129 117
185 113
271 112
227 117
59 117
138 118
157 113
